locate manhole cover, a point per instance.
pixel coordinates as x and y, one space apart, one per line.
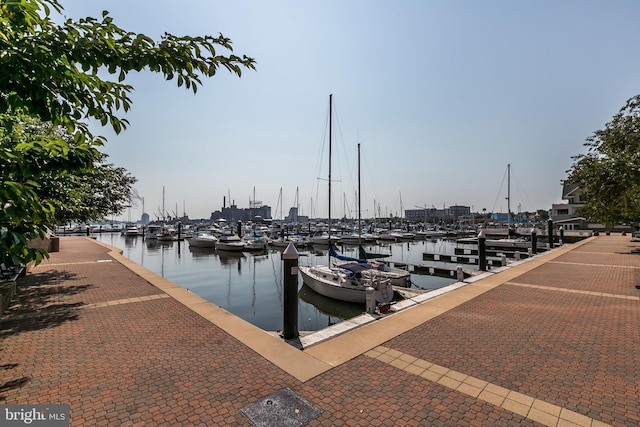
283 408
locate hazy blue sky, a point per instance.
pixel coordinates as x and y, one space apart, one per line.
442 95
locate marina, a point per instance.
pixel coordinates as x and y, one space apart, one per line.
249 284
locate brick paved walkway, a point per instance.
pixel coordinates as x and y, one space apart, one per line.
553 341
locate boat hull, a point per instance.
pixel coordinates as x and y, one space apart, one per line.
230 246
200 242
333 284
256 245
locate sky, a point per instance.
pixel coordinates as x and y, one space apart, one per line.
441 96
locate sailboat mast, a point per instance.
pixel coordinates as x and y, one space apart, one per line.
359 206
330 131
509 195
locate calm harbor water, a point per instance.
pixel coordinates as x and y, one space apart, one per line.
250 285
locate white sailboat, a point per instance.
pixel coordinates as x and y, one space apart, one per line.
348 282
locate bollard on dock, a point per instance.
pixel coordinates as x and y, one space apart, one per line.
482 251
290 315
534 241
370 299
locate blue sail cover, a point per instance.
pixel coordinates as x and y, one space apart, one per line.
334 254
356 267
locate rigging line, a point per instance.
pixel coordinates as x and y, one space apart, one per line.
348 185
500 190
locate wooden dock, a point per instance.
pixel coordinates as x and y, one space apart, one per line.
434 270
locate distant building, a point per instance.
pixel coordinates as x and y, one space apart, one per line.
457 211
426 214
234 214
144 220
294 217
452 213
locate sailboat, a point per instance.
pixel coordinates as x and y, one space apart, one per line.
347 282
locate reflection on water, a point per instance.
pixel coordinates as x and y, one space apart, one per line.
327 307
250 284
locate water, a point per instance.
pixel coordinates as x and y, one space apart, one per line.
250 285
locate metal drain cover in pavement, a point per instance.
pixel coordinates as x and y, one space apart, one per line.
283 408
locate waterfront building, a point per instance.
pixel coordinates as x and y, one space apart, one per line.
234 214
568 214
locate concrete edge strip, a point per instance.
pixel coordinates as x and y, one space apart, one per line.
534 409
574 291
291 360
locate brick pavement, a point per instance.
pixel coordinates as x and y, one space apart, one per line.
551 342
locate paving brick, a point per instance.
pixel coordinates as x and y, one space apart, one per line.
559 340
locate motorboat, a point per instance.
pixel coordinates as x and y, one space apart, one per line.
131 230
284 240
167 234
151 231
230 242
203 239
388 235
257 242
323 239
351 239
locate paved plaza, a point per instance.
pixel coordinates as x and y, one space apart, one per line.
551 341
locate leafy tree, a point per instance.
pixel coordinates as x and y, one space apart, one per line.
92 194
52 84
543 215
609 173
30 151
81 186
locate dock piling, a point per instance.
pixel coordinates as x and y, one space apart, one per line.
534 241
482 251
290 315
